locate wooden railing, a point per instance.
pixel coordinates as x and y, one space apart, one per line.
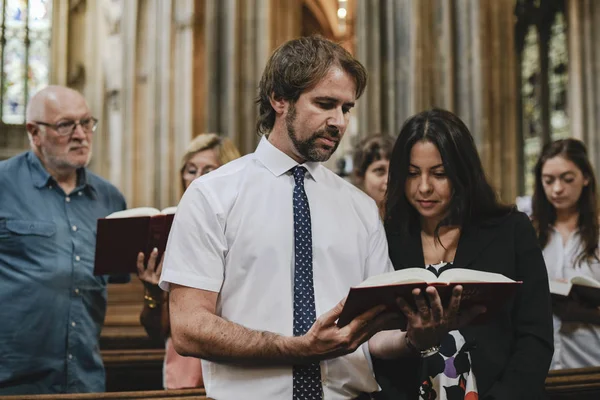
134 363
580 384
183 394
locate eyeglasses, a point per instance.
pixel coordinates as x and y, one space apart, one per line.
66 128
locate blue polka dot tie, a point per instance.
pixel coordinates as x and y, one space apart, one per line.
307 378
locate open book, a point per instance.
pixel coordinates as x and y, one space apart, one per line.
479 288
585 288
123 234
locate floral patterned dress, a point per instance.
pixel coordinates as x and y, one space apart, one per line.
447 375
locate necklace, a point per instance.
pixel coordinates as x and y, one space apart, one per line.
448 250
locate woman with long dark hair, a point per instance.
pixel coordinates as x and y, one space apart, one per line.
370 163
442 213
565 215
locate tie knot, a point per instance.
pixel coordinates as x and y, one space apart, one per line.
299 171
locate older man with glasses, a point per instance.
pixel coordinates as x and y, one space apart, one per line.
52 305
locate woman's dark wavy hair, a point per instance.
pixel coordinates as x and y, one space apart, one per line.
544 214
297 66
473 198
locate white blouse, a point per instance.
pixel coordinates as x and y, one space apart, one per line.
576 345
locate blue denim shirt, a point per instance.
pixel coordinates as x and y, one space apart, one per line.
52 307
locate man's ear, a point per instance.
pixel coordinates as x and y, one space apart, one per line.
33 130
279 104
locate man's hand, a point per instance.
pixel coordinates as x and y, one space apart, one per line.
325 340
429 323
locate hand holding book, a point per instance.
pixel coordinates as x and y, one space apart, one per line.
487 289
429 322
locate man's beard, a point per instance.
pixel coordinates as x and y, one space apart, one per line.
60 161
308 148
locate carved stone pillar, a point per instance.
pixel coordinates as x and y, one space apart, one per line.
584 67
454 54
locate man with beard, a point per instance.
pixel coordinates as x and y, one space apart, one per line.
53 305
267 243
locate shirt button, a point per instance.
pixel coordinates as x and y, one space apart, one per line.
73 323
67 199
76 291
77 258
79 194
70 356
74 228
49 186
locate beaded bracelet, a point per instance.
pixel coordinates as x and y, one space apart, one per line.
424 353
150 301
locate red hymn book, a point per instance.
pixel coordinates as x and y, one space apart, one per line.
489 289
123 234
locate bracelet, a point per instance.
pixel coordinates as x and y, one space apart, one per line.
424 353
150 301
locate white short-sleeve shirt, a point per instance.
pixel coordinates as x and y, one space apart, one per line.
576 344
233 234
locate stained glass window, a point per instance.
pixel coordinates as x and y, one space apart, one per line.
542 44
24 54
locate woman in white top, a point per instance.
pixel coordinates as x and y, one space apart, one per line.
565 215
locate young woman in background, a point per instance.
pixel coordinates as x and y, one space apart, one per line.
565 214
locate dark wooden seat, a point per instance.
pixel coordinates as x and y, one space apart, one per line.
183 394
580 384
134 362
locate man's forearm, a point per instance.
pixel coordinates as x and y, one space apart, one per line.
216 339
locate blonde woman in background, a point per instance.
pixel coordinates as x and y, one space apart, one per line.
207 152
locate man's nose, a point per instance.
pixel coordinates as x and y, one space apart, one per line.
78 133
338 119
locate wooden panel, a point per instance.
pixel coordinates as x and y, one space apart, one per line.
581 384
122 328
13 140
155 394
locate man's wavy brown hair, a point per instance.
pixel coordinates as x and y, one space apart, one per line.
299 65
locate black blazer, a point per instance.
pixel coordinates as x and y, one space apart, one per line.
513 351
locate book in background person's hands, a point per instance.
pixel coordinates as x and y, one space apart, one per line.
123 234
580 288
488 289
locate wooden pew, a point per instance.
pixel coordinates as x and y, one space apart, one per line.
580 384
183 394
122 328
134 362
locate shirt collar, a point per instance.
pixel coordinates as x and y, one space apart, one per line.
280 163
41 177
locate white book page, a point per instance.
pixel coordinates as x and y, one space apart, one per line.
135 212
169 210
585 281
471 275
408 275
561 288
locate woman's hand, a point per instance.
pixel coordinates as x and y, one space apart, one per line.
575 310
150 274
429 323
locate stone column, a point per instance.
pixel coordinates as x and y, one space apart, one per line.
236 44
454 54
584 69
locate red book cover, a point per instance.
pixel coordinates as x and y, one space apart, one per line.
119 240
492 291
